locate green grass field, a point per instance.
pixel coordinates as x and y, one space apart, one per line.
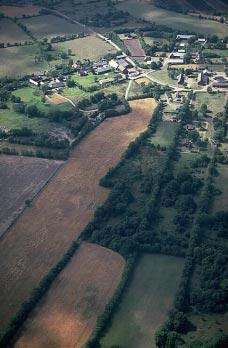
165 134
146 302
146 10
220 53
31 95
90 79
162 76
89 47
10 119
19 61
215 102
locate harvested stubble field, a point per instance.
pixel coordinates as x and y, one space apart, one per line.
90 47
10 32
20 179
64 207
68 313
48 26
19 11
56 99
134 47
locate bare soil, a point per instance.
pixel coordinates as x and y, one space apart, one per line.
68 313
20 180
135 48
19 11
63 209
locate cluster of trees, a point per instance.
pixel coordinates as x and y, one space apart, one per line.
109 19
56 39
220 124
106 103
152 90
135 229
207 256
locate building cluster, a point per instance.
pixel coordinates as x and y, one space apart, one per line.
179 53
51 83
123 64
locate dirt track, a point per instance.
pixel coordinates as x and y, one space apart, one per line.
68 313
63 209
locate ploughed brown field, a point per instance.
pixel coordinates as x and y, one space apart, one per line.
134 46
68 313
20 179
62 210
19 11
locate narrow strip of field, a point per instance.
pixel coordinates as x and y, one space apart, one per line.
63 209
146 303
20 179
68 313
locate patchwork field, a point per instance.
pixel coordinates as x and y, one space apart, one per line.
20 179
85 47
64 208
11 33
146 10
146 302
49 25
19 11
67 315
19 61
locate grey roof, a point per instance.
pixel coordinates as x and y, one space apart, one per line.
103 69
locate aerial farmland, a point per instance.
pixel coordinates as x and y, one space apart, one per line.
113 174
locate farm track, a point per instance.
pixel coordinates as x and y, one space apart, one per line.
62 210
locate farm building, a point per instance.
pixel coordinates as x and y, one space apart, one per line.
220 82
184 37
175 61
181 79
102 70
56 85
202 79
178 55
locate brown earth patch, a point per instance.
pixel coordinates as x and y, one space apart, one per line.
20 179
67 315
19 11
59 214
